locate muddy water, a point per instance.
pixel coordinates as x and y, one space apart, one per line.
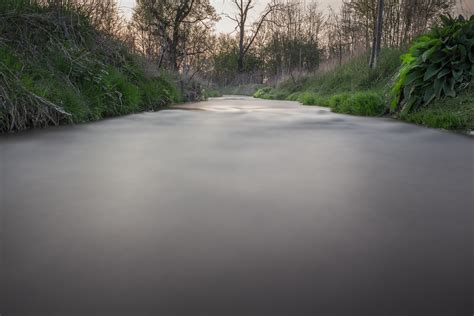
237 207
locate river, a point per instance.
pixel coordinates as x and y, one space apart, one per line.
237 206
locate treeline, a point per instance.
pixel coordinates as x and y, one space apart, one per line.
352 29
288 38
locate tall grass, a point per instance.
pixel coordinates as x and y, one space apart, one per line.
352 76
352 88
56 68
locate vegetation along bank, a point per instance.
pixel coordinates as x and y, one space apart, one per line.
431 85
62 64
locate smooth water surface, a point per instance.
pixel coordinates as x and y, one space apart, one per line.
237 206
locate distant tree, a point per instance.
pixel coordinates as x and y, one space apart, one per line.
292 40
172 23
246 40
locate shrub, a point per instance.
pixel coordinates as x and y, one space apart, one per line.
311 98
335 102
439 64
262 93
294 96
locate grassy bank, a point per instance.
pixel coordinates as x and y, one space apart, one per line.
350 88
355 89
56 68
450 113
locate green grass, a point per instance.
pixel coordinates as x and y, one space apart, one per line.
53 72
364 103
355 89
354 76
351 88
359 103
449 113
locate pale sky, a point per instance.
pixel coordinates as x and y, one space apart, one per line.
225 25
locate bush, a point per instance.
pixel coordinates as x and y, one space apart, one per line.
262 93
439 64
295 96
335 102
311 98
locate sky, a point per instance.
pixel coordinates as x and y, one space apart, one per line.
225 25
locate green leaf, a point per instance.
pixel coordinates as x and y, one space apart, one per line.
431 72
407 92
428 96
448 88
438 87
443 72
410 104
427 55
407 58
457 75
412 76
438 57
446 20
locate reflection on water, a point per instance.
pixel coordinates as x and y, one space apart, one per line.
247 207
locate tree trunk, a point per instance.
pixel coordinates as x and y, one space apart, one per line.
240 60
173 49
377 35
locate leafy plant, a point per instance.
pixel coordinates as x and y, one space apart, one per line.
439 64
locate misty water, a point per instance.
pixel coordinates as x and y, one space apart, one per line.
237 206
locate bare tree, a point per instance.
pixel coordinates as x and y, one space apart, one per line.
244 7
172 25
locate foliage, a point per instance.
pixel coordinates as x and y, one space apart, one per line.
344 89
364 103
353 76
360 103
312 98
262 93
56 68
449 113
211 93
225 60
439 64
